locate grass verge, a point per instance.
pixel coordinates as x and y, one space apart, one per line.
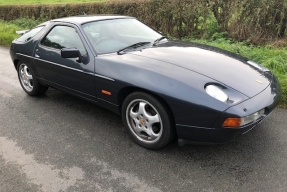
8 29
271 57
34 2
7 32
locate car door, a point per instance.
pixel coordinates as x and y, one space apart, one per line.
68 74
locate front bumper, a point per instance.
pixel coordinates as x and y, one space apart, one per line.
267 99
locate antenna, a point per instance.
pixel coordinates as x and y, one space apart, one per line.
83 11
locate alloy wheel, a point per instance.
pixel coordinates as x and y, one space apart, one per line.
144 121
26 77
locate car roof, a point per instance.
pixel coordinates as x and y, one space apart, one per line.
89 18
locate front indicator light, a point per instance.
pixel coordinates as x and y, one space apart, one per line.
238 122
232 122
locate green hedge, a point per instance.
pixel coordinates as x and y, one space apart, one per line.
258 21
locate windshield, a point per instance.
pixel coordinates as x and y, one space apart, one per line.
112 35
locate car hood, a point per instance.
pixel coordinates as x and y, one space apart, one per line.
222 66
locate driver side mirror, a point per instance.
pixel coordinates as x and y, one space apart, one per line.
71 53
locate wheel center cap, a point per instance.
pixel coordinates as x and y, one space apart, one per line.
142 121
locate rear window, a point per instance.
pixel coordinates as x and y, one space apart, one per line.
27 36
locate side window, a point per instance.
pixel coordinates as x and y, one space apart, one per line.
27 36
64 37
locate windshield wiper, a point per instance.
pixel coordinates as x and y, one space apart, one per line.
134 46
159 39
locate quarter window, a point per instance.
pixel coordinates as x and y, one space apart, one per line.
64 37
27 36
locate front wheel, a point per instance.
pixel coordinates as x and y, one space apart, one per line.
28 80
147 120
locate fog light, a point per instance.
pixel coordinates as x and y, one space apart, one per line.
239 122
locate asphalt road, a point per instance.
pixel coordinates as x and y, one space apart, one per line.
57 142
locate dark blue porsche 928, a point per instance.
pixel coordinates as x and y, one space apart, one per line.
163 89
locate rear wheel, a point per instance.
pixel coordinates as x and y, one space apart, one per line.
147 120
28 81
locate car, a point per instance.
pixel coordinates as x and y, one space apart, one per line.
163 89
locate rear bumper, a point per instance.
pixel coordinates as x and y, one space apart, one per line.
267 99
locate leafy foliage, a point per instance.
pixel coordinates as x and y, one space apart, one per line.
17 2
26 23
7 32
245 20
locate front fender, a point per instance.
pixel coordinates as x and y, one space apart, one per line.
182 89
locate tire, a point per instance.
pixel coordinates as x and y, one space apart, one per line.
28 80
147 120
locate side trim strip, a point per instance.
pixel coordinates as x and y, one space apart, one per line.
78 70
55 64
104 77
62 66
24 55
188 126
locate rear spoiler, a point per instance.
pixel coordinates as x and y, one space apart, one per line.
22 32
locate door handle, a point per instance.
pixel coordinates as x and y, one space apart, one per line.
36 55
